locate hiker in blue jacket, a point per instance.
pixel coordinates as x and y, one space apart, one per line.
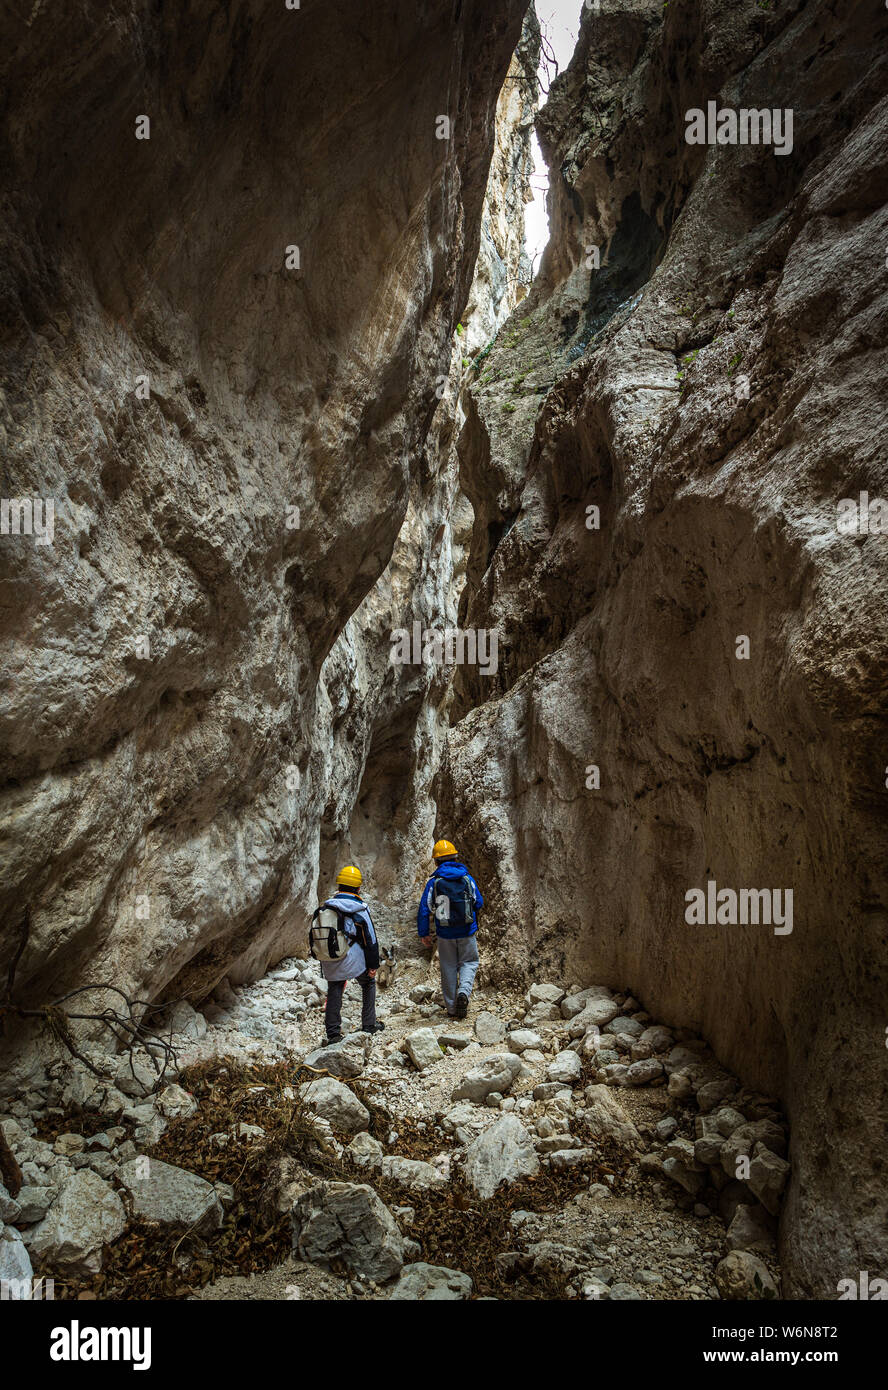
451 901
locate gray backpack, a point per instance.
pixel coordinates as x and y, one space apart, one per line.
330 939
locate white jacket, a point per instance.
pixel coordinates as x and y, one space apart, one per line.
353 963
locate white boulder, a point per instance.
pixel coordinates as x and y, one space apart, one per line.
86 1215
423 1048
566 1068
425 1283
334 1101
496 1073
161 1192
504 1153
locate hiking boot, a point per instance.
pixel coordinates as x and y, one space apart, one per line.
462 1005
377 1028
332 1038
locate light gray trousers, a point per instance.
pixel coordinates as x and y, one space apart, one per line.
458 961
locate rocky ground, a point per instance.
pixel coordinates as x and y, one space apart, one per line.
587 1151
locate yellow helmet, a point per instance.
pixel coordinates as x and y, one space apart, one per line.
350 877
444 850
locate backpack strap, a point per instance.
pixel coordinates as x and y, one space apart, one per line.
370 948
341 911
350 917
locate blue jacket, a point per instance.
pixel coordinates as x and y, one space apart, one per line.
451 868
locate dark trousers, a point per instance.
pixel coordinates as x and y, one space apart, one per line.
333 1009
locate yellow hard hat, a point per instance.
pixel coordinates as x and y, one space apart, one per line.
350 877
444 850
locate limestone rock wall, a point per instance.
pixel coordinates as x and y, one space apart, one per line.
503 271
220 356
389 723
282 263
713 389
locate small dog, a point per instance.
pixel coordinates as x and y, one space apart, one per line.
387 966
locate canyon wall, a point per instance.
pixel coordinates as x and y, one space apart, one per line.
229 354
388 722
503 272
236 245
703 360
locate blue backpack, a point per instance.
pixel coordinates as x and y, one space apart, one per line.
453 900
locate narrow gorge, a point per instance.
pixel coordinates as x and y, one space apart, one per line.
282 398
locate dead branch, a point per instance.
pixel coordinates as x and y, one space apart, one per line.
126 1023
548 61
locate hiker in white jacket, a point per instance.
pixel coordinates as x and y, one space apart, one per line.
360 962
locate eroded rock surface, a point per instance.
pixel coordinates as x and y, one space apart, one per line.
255 479
714 389
219 359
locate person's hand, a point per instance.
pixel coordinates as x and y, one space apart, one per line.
427 941
372 974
